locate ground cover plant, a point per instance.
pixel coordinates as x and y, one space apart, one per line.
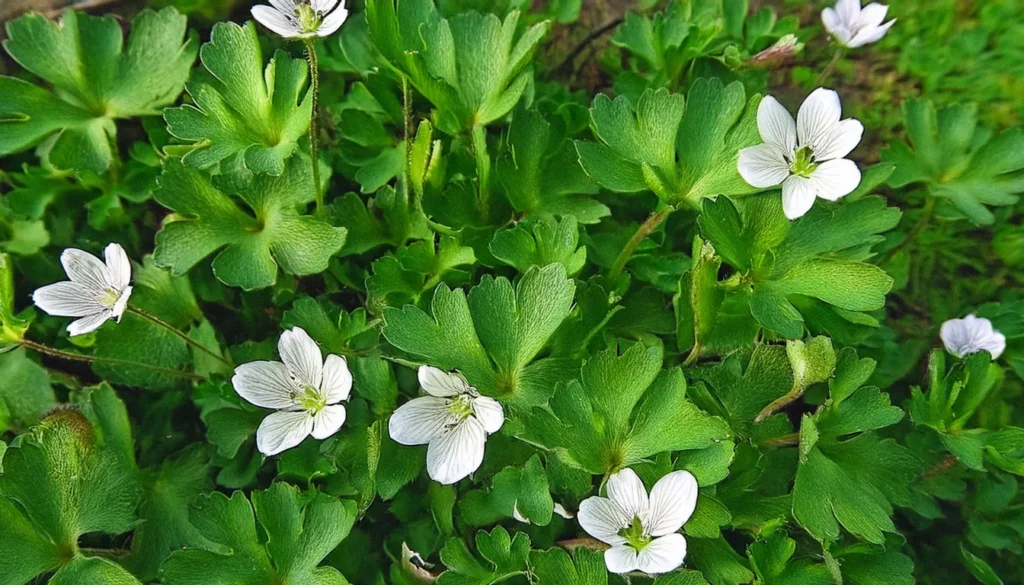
471 292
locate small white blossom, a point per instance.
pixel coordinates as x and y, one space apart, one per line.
301 19
305 390
853 26
806 156
971 335
642 530
453 420
97 292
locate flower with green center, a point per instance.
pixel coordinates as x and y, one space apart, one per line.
852 26
643 531
304 389
453 420
97 291
301 19
805 156
972 334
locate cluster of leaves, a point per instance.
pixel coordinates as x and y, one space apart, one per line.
477 209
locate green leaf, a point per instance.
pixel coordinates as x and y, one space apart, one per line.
96 77
621 412
541 172
550 241
957 160
403 276
12 328
300 531
471 66
682 150
25 394
512 490
504 556
494 336
86 570
242 110
772 561
555 567
389 218
251 246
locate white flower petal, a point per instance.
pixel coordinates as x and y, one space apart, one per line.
517 514
798 194
763 166
88 324
867 36
302 356
995 344
621 559
457 453
835 179
629 494
119 269
283 430
970 335
830 19
85 269
844 138
673 500
121 304
337 380
849 11
322 6
775 124
489 412
437 382
276 21
603 519
662 555
265 384
817 117
332 23
66 299
328 421
872 15
419 421
285 6
561 511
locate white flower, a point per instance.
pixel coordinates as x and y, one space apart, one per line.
454 421
805 157
96 292
643 531
301 19
853 26
305 391
971 335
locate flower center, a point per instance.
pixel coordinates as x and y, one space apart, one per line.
635 535
109 298
308 18
461 407
802 163
310 399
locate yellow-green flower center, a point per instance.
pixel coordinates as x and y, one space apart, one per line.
635 536
109 298
803 162
308 18
310 399
461 407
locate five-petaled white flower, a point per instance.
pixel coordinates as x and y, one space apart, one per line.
305 390
643 531
806 156
454 421
96 292
301 19
853 26
971 335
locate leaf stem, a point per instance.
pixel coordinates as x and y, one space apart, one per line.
927 212
77 357
642 232
406 134
314 123
781 402
158 321
826 73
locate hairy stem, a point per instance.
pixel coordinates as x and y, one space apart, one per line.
642 232
826 74
158 321
927 212
314 130
77 357
780 403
